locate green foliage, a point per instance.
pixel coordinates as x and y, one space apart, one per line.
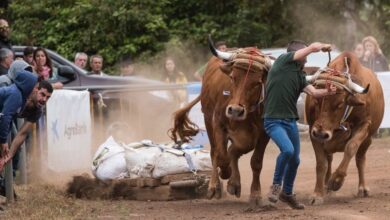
141 29
115 29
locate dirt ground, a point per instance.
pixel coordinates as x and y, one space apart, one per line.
45 201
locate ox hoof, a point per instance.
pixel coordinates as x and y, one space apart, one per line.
335 182
215 192
317 200
255 201
363 192
225 173
234 189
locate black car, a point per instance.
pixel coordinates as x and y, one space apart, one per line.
134 100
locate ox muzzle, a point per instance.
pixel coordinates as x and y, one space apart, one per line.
236 112
321 134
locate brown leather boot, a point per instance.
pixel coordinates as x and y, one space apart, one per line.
274 193
291 200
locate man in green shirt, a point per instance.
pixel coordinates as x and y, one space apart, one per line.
285 81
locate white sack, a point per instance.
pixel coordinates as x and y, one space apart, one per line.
139 159
168 163
109 161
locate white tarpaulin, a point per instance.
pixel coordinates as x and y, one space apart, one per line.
69 130
384 79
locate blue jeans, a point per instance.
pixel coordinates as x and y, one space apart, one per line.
285 134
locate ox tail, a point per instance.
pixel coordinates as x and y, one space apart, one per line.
183 128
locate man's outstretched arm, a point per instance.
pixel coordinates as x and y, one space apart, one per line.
19 138
314 47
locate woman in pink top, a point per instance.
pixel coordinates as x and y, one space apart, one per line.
44 68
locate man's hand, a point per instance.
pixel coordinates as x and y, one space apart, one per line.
2 164
366 55
4 150
332 89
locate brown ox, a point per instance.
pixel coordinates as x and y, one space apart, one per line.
334 129
235 117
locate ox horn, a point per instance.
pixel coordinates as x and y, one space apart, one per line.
356 88
217 53
312 78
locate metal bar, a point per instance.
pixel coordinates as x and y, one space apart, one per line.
132 88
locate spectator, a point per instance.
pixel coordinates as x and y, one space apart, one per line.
81 60
127 67
221 46
12 99
28 55
6 59
44 67
373 57
128 70
5 34
31 113
359 51
96 63
171 74
6 80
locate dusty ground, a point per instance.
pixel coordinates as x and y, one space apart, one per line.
49 202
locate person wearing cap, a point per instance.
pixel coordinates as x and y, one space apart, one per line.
285 81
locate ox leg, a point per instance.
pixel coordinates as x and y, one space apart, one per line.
219 158
221 155
321 167
329 158
215 186
338 177
257 165
363 190
234 183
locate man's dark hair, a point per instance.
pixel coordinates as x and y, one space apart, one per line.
295 45
46 85
28 51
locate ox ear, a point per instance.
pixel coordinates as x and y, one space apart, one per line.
355 100
226 67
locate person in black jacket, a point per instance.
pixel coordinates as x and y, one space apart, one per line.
4 35
373 57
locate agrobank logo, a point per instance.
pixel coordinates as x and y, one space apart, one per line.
70 130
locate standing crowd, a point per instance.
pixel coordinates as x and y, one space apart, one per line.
370 54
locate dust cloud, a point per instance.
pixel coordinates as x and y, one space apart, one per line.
132 116
342 28
188 56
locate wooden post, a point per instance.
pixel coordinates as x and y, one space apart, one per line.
22 157
9 179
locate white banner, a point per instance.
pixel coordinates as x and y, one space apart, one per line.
69 130
384 79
